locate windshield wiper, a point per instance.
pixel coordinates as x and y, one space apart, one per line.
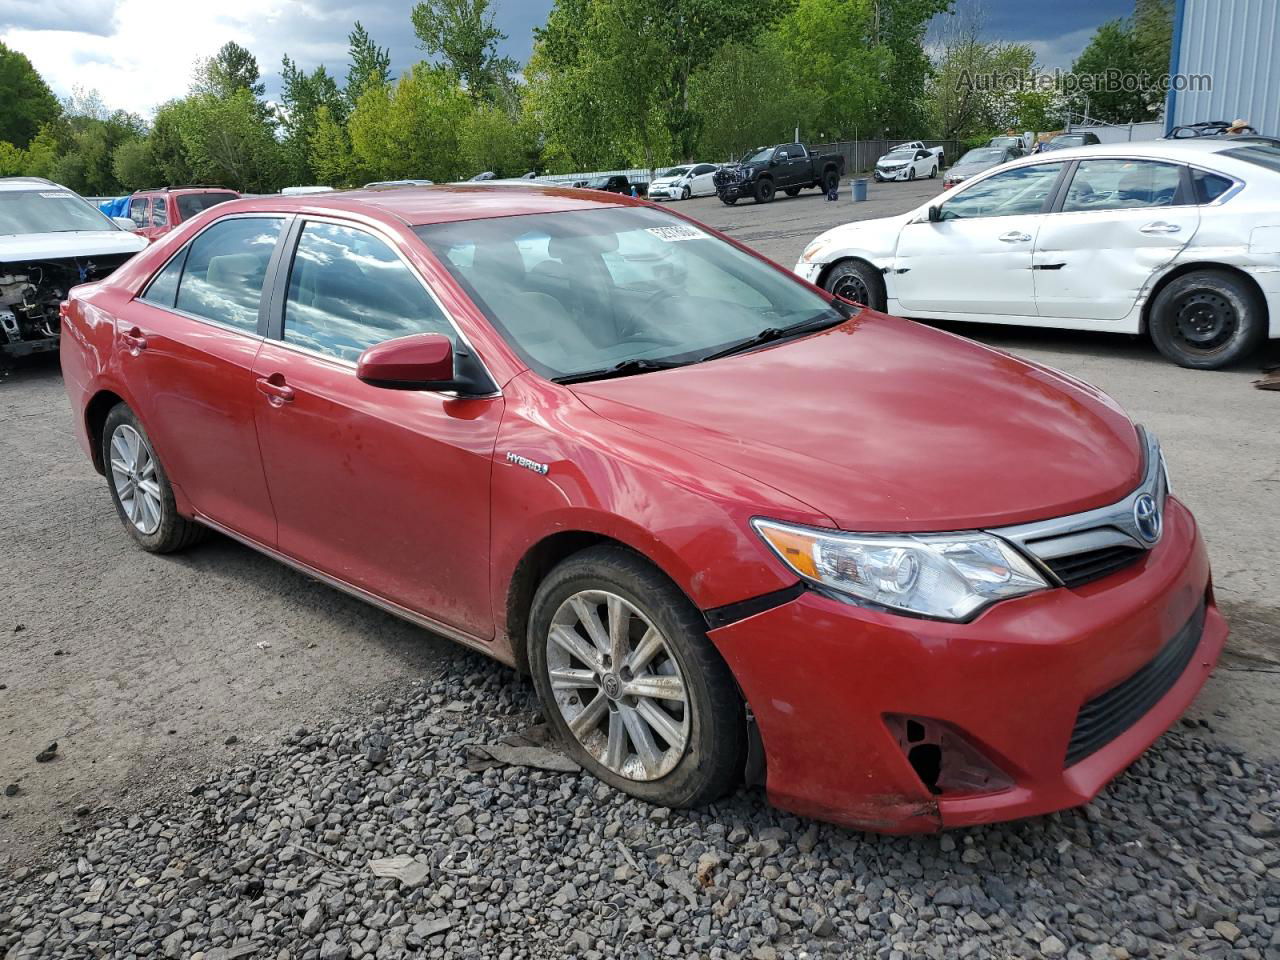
624 368
773 334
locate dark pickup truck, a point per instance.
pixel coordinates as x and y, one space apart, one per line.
789 167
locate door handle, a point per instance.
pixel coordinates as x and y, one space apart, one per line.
1159 226
277 391
1015 236
135 341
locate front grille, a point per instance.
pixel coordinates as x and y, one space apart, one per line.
1077 569
1107 716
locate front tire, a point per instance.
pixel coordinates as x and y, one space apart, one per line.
631 684
685 193
792 191
140 488
764 191
911 174
1207 320
858 281
728 201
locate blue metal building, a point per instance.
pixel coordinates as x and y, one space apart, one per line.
1236 43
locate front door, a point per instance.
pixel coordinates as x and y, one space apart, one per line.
387 490
977 257
191 344
1120 222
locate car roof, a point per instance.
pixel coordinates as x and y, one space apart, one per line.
1186 150
29 183
443 203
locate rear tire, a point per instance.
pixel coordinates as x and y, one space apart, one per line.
858 281
830 180
764 191
933 173
607 581
1207 320
140 488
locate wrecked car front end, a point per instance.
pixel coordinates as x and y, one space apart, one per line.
31 292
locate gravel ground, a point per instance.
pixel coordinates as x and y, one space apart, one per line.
281 856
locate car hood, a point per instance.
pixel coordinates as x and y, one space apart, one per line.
970 169
894 161
665 181
52 246
885 425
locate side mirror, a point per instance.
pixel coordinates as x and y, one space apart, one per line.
935 214
422 361
124 223
773 161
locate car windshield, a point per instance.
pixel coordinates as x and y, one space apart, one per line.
189 204
586 290
761 156
48 210
900 153
983 155
676 172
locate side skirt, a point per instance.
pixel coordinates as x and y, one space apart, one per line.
389 606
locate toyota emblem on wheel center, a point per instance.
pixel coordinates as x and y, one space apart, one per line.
1146 516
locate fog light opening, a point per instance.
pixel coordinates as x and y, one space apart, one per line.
946 762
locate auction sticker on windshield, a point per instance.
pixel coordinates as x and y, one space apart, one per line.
675 233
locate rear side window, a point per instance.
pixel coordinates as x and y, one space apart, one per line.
189 204
159 212
1122 185
348 290
226 268
138 211
163 289
1210 186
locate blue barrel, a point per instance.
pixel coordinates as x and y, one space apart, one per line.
858 189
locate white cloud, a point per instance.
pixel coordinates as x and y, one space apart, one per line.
148 56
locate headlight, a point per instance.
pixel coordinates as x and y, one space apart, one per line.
948 576
814 248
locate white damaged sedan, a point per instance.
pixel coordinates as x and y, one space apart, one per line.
1178 239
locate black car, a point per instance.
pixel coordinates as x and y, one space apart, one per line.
789 167
612 183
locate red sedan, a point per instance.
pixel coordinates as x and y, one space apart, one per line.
735 528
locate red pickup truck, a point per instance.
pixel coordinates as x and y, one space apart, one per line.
158 211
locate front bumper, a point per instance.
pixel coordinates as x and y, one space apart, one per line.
808 271
884 175
822 675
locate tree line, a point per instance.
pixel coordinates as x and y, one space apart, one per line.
610 83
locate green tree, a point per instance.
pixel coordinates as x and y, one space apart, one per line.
28 101
172 164
463 35
302 96
411 130
228 141
490 139
13 161
41 154
134 165
726 96
330 154
369 64
1108 72
87 143
231 69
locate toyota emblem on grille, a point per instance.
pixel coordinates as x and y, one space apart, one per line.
1146 516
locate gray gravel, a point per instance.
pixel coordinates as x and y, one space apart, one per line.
397 834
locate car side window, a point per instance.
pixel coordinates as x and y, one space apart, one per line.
138 211
1123 184
348 290
225 271
1010 193
1210 186
159 213
704 168
163 288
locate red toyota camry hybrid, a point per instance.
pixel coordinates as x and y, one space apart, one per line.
734 528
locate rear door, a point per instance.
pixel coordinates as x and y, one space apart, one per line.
188 349
797 168
387 490
702 182
1119 221
977 258
138 213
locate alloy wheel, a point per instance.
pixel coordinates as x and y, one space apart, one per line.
133 476
617 685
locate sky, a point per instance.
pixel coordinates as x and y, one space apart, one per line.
139 53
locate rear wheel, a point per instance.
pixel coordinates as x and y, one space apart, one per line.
764 190
792 191
630 682
933 172
1207 319
830 180
140 488
858 281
